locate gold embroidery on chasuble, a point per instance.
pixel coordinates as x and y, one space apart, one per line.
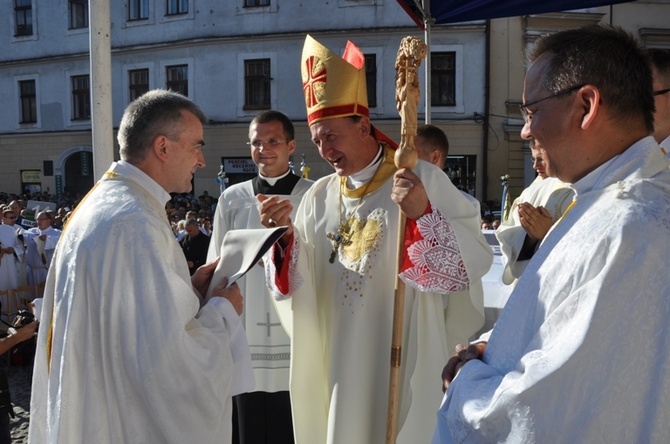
365 234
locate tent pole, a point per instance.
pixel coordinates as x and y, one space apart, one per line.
427 22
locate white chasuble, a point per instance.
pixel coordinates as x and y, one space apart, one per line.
580 351
341 313
125 353
268 341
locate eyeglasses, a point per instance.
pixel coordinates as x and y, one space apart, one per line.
662 91
269 143
528 116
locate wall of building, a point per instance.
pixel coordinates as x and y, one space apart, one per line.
214 39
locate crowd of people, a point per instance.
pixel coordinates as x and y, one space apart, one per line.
142 343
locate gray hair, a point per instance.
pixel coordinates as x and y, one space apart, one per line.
153 113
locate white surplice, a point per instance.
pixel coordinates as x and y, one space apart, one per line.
133 357
341 313
36 249
10 263
580 351
268 341
549 193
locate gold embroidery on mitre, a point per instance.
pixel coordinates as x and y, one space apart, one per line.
364 235
314 76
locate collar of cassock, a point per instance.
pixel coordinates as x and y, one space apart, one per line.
275 185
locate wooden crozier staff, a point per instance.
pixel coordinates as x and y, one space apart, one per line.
410 54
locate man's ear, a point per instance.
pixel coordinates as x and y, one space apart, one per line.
291 146
365 126
590 103
435 157
160 146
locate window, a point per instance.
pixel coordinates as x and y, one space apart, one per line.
78 10
23 11
81 98
28 101
443 79
177 79
138 9
177 7
257 84
253 3
371 79
138 82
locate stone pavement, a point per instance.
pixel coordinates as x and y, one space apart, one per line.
20 377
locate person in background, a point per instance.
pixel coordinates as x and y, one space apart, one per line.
15 337
532 215
194 245
132 348
660 69
264 415
40 245
432 145
18 209
206 226
180 230
590 311
335 271
11 250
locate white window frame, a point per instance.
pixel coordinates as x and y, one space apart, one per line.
162 78
255 9
12 23
139 22
241 58
459 86
67 117
17 95
379 53
190 15
151 66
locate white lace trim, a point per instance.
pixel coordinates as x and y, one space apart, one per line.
438 264
294 278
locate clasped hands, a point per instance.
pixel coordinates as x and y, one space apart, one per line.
464 353
535 221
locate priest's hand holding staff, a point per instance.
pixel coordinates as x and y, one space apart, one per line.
409 193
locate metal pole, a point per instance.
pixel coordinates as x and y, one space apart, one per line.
427 23
101 85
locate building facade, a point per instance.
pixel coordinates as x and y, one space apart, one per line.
238 57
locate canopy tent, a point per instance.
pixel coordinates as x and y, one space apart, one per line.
454 11
427 13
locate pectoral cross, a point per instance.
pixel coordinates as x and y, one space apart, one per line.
342 237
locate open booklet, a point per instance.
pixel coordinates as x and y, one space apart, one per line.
242 249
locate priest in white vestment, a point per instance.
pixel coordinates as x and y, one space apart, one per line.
260 413
543 202
336 283
40 246
128 350
11 251
579 353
